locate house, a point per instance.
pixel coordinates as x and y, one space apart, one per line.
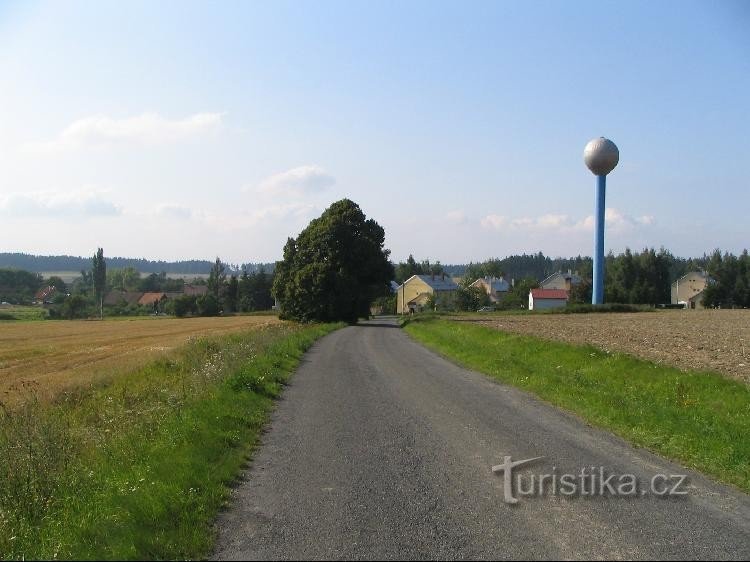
688 289
195 290
541 299
46 294
116 297
414 293
560 280
152 299
495 287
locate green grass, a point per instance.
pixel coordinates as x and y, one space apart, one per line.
700 419
138 469
24 313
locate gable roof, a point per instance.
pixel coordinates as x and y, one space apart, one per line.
553 294
195 290
496 284
116 297
437 282
151 298
701 274
574 278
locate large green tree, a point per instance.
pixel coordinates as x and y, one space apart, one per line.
335 268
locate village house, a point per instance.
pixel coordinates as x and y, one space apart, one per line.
414 293
541 299
495 287
46 294
560 280
688 289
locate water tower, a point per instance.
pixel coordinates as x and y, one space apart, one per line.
601 157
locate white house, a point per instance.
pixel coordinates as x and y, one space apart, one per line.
540 299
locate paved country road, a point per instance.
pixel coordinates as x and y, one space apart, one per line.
382 449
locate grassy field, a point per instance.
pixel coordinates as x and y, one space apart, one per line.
49 358
138 468
700 419
21 313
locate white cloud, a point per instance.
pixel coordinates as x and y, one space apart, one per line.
148 129
494 221
298 181
614 220
58 204
457 217
173 211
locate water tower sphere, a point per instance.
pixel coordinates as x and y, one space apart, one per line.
601 156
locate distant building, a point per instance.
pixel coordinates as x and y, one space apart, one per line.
114 298
46 294
195 290
152 299
495 287
541 299
560 280
688 289
413 294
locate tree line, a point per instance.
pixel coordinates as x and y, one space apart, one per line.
39 264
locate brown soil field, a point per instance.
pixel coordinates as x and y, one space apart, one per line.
713 340
46 357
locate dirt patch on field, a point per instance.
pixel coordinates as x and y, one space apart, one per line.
46 357
715 340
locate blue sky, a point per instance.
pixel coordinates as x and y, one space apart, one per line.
189 130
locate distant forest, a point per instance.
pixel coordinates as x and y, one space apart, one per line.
39 264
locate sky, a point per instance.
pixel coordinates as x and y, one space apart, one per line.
180 130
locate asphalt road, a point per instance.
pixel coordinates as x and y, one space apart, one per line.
381 449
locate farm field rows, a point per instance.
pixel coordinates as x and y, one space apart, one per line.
715 340
52 356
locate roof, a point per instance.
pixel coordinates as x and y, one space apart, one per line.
195 290
702 274
496 284
567 275
394 286
552 294
116 297
151 298
437 282
46 292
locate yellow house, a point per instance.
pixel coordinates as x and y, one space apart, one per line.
688 289
415 291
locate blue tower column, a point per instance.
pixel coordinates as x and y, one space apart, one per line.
597 296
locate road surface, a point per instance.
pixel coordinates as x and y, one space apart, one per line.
381 449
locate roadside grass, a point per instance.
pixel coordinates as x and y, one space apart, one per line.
139 468
700 419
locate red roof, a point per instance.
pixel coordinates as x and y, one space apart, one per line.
556 294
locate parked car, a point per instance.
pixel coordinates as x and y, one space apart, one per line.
487 309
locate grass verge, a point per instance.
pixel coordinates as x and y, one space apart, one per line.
139 468
700 419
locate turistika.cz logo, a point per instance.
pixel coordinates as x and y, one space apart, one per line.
591 481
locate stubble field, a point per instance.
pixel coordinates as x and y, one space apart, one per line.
714 340
46 358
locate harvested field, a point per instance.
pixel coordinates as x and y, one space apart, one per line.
715 340
48 357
